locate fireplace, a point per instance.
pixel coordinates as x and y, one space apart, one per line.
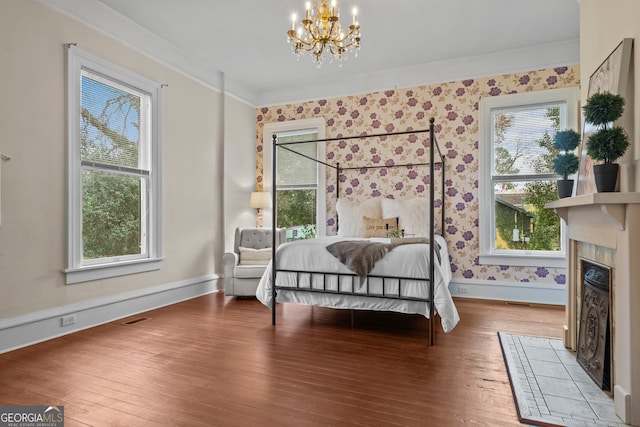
603 228
594 337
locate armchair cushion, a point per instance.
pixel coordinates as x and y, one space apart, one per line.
248 271
251 256
256 238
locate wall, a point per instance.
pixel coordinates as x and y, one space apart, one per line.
602 28
239 170
32 131
603 25
454 105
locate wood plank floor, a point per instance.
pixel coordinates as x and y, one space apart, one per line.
217 361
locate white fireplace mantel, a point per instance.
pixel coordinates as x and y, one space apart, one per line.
610 221
612 205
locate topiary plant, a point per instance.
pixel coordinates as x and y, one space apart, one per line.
609 142
566 163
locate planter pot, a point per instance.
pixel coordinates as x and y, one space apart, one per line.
565 188
606 176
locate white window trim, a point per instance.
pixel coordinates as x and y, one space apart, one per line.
489 255
78 271
317 123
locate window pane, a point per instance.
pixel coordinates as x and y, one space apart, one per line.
294 169
110 123
296 184
297 213
521 221
111 214
522 139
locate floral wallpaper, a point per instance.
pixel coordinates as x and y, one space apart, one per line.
454 106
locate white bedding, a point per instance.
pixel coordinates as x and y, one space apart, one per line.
404 260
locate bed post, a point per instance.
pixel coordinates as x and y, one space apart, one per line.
432 310
337 193
337 180
273 228
443 196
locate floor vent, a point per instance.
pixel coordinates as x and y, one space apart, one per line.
138 320
525 304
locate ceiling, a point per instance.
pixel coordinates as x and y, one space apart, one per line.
240 46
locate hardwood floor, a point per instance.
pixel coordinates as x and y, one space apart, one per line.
217 360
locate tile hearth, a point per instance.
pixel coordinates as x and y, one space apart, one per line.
552 388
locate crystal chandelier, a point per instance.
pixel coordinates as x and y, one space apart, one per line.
321 32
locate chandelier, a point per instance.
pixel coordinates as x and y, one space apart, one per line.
321 32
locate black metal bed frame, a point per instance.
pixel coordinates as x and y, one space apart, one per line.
433 145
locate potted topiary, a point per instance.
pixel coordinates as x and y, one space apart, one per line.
609 142
566 163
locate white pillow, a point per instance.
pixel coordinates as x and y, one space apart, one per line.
250 256
351 216
372 208
413 215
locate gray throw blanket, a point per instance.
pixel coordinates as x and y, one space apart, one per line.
360 256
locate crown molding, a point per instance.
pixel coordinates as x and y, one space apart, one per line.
472 67
101 18
105 20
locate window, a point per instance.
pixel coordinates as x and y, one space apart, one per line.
301 207
297 184
516 178
114 192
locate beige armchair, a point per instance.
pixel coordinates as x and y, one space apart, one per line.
244 267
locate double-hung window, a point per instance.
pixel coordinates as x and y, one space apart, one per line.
114 195
297 184
516 178
300 188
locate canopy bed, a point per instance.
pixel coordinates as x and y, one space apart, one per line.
362 268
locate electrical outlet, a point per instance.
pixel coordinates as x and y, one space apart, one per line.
463 290
68 320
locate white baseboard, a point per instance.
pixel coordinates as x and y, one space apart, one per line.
622 404
509 291
32 328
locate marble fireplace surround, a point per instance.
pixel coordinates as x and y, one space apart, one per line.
605 228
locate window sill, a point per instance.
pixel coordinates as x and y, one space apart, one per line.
105 271
524 259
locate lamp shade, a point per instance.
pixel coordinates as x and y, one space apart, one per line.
260 200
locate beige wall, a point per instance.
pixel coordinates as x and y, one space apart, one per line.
239 167
32 132
603 25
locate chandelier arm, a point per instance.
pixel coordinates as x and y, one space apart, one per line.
348 45
306 45
349 34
